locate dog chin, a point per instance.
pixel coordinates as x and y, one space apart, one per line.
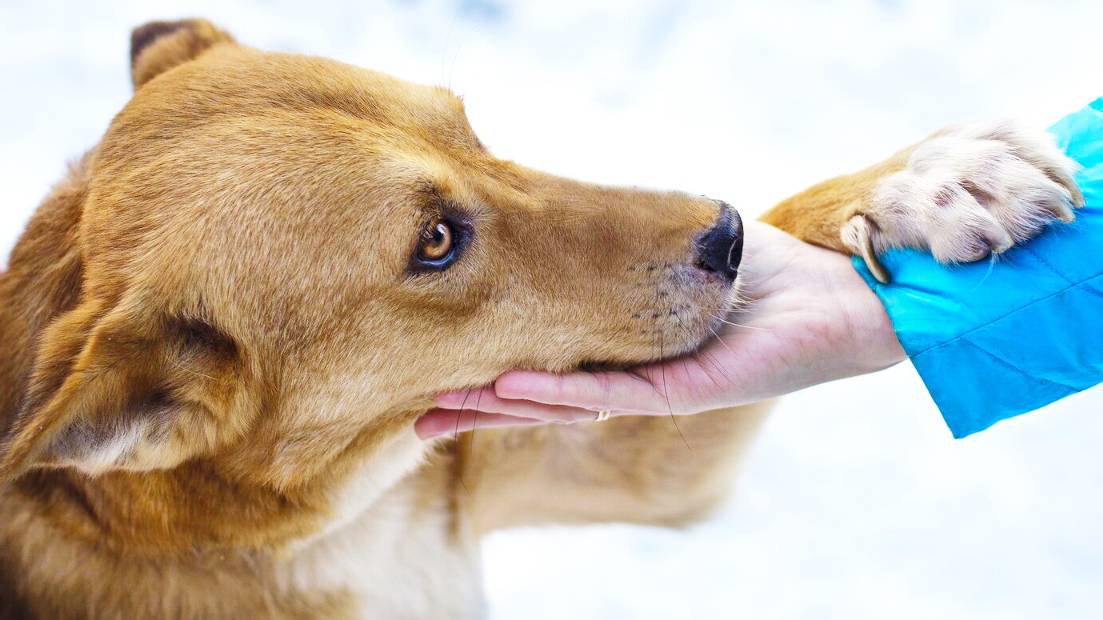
671 350
711 327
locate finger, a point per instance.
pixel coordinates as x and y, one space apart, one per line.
438 422
464 399
487 401
619 391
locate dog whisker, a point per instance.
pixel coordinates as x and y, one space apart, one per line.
716 365
723 342
734 324
666 390
456 433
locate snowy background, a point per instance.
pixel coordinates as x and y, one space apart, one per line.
856 503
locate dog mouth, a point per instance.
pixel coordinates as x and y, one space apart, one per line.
708 330
598 366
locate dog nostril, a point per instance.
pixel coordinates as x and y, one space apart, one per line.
720 249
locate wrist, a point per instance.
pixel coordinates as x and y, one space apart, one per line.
871 331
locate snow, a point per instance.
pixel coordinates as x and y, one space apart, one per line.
855 503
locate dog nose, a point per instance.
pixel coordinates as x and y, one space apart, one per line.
720 249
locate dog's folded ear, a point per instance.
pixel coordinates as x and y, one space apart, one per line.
157 47
117 391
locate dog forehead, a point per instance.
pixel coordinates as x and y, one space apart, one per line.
236 80
239 121
278 177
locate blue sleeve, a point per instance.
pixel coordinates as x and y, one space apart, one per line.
995 339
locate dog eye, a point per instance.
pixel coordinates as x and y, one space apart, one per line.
437 241
438 246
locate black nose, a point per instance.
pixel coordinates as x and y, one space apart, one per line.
720 249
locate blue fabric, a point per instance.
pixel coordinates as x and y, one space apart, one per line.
992 340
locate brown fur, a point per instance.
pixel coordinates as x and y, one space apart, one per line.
817 214
210 335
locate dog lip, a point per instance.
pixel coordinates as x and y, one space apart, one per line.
601 366
687 348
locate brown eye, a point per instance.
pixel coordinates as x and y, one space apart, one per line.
439 245
436 241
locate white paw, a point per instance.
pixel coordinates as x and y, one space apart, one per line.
966 193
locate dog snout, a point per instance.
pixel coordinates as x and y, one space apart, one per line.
720 248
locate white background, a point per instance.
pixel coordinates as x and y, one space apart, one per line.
855 503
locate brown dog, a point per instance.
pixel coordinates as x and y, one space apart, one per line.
222 325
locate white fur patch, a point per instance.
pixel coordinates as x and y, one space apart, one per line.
389 465
395 556
105 455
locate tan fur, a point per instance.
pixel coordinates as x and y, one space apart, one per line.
215 353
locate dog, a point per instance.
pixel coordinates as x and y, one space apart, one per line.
223 323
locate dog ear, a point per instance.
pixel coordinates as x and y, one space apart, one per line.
115 391
157 47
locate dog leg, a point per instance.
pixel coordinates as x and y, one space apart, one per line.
648 470
963 193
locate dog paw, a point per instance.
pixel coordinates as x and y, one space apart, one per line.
966 193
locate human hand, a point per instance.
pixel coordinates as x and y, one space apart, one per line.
811 319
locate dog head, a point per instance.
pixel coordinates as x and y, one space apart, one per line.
285 258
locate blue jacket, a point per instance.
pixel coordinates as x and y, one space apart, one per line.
992 340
